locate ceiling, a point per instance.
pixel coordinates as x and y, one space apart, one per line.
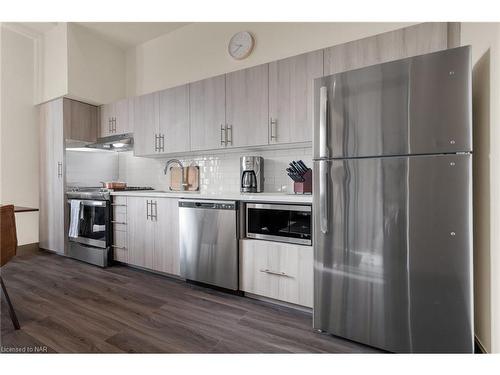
129 34
122 34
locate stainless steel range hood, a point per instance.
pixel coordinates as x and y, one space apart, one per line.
119 142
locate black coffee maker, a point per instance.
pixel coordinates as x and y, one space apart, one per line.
251 174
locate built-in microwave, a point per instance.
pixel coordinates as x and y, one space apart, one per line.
279 222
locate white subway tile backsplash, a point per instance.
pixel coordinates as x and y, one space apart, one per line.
218 172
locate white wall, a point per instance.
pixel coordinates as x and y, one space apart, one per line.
96 67
76 63
19 131
199 50
53 64
485 41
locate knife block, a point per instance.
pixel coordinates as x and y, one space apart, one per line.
304 187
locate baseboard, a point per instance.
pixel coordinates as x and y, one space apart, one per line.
279 303
27 248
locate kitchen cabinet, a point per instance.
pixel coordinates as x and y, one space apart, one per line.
80 120
290 97
174 120
146 124
207 105
153 235
277 270
52 225
166 257
247 107
398 44
117 118
120 230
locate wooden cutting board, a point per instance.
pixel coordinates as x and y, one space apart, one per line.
192 174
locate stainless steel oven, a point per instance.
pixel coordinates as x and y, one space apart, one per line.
279 222
89 235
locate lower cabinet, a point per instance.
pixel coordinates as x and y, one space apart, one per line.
120 230
277 270
153 233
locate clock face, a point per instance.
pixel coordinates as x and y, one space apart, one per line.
241 45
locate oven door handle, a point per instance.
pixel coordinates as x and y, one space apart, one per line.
90 203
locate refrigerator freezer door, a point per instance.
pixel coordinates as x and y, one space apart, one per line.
393 267
419 105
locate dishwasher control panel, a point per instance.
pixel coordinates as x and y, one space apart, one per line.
210 205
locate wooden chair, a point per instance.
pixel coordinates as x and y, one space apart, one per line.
8 249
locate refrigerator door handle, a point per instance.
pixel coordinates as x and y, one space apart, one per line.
323 125
323 196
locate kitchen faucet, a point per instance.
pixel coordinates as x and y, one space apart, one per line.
177 161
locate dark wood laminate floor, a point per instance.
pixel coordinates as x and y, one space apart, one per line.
67 306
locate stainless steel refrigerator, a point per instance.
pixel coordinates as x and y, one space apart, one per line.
393 204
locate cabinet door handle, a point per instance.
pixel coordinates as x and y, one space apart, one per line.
229 138
274 128
118 205
277 273
156 142
162 142
118 222
109 125
147 209
223 141
119 247
155 204
59 169
113 124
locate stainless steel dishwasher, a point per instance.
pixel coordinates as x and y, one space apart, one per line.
209 242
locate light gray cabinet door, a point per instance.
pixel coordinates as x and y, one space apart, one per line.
247 106
122 120
290 97
52 232
166 257
140 232
174 120
207 105
393 45
146 124
106 117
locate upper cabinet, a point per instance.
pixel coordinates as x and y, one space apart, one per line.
399 44
290 97
117 118
80 121
247 107
207 106
146 124
161 122
263 105
174 120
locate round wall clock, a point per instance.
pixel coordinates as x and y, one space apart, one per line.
241 45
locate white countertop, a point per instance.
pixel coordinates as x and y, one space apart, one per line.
257 197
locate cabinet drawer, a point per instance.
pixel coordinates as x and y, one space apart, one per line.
275 270
120 248
117 210
119 220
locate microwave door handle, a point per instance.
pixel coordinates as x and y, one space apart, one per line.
323 121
